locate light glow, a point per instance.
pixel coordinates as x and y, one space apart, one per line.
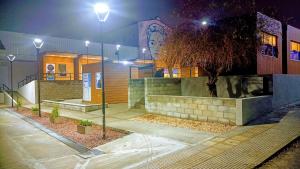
11 58
102 11
38 43
118 47
204 23
87 43
144 50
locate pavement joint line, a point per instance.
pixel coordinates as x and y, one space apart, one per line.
84 152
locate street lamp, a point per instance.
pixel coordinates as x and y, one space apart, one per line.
102 11
38 44
87 43
118 52
11 58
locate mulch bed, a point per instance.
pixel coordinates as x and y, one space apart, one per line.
68 128
184 123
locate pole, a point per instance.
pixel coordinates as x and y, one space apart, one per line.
11 84
38 80
103 86
87 55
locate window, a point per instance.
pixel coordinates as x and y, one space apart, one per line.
269 44
295 51
175 73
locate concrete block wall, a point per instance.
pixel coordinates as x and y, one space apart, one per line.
227 86
162 86
136 93
223 110
63 89
286 90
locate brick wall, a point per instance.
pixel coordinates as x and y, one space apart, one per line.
68 89
223 110
136 93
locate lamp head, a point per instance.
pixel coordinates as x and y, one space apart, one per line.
204 23
144 50
87 43
102 11
38 43
11 58
118 47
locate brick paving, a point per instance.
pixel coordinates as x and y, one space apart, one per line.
245 147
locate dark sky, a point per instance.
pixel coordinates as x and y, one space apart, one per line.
76 19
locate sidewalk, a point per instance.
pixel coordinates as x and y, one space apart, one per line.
24 146
118 116
245 147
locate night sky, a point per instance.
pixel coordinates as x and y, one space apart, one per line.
76 19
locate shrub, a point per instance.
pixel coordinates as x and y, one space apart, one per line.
86 123
34 109
54 114
19 103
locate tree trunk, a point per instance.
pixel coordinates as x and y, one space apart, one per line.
212 80
170 70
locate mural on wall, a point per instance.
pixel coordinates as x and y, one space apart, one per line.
50 71
152 35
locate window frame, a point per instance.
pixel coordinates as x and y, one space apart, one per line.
298 50
263 33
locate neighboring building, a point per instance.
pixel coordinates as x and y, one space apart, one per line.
293 50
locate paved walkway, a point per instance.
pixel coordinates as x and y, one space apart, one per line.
245 147
119 117
23 146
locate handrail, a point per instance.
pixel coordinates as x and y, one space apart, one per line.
3 87
27 80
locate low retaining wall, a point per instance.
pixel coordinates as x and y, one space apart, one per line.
136 93
224 110
29 92
61 89
1 98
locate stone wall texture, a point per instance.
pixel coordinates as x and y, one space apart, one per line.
63 89
136 93
286 90
223 110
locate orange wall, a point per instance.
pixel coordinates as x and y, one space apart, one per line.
83 61
116 83
69 61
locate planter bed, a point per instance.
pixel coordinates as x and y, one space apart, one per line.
211 127
67 127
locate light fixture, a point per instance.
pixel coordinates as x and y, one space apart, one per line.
102 10
204 23
11 58
118 47
38 43
144 50
87 43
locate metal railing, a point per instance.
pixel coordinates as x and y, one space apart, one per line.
3 87
27 80
60 76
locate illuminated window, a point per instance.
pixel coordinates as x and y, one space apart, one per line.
175 73
295 51
269 44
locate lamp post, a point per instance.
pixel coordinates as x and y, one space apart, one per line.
102 11
144 51
38 44
11 58
87 43
118 52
